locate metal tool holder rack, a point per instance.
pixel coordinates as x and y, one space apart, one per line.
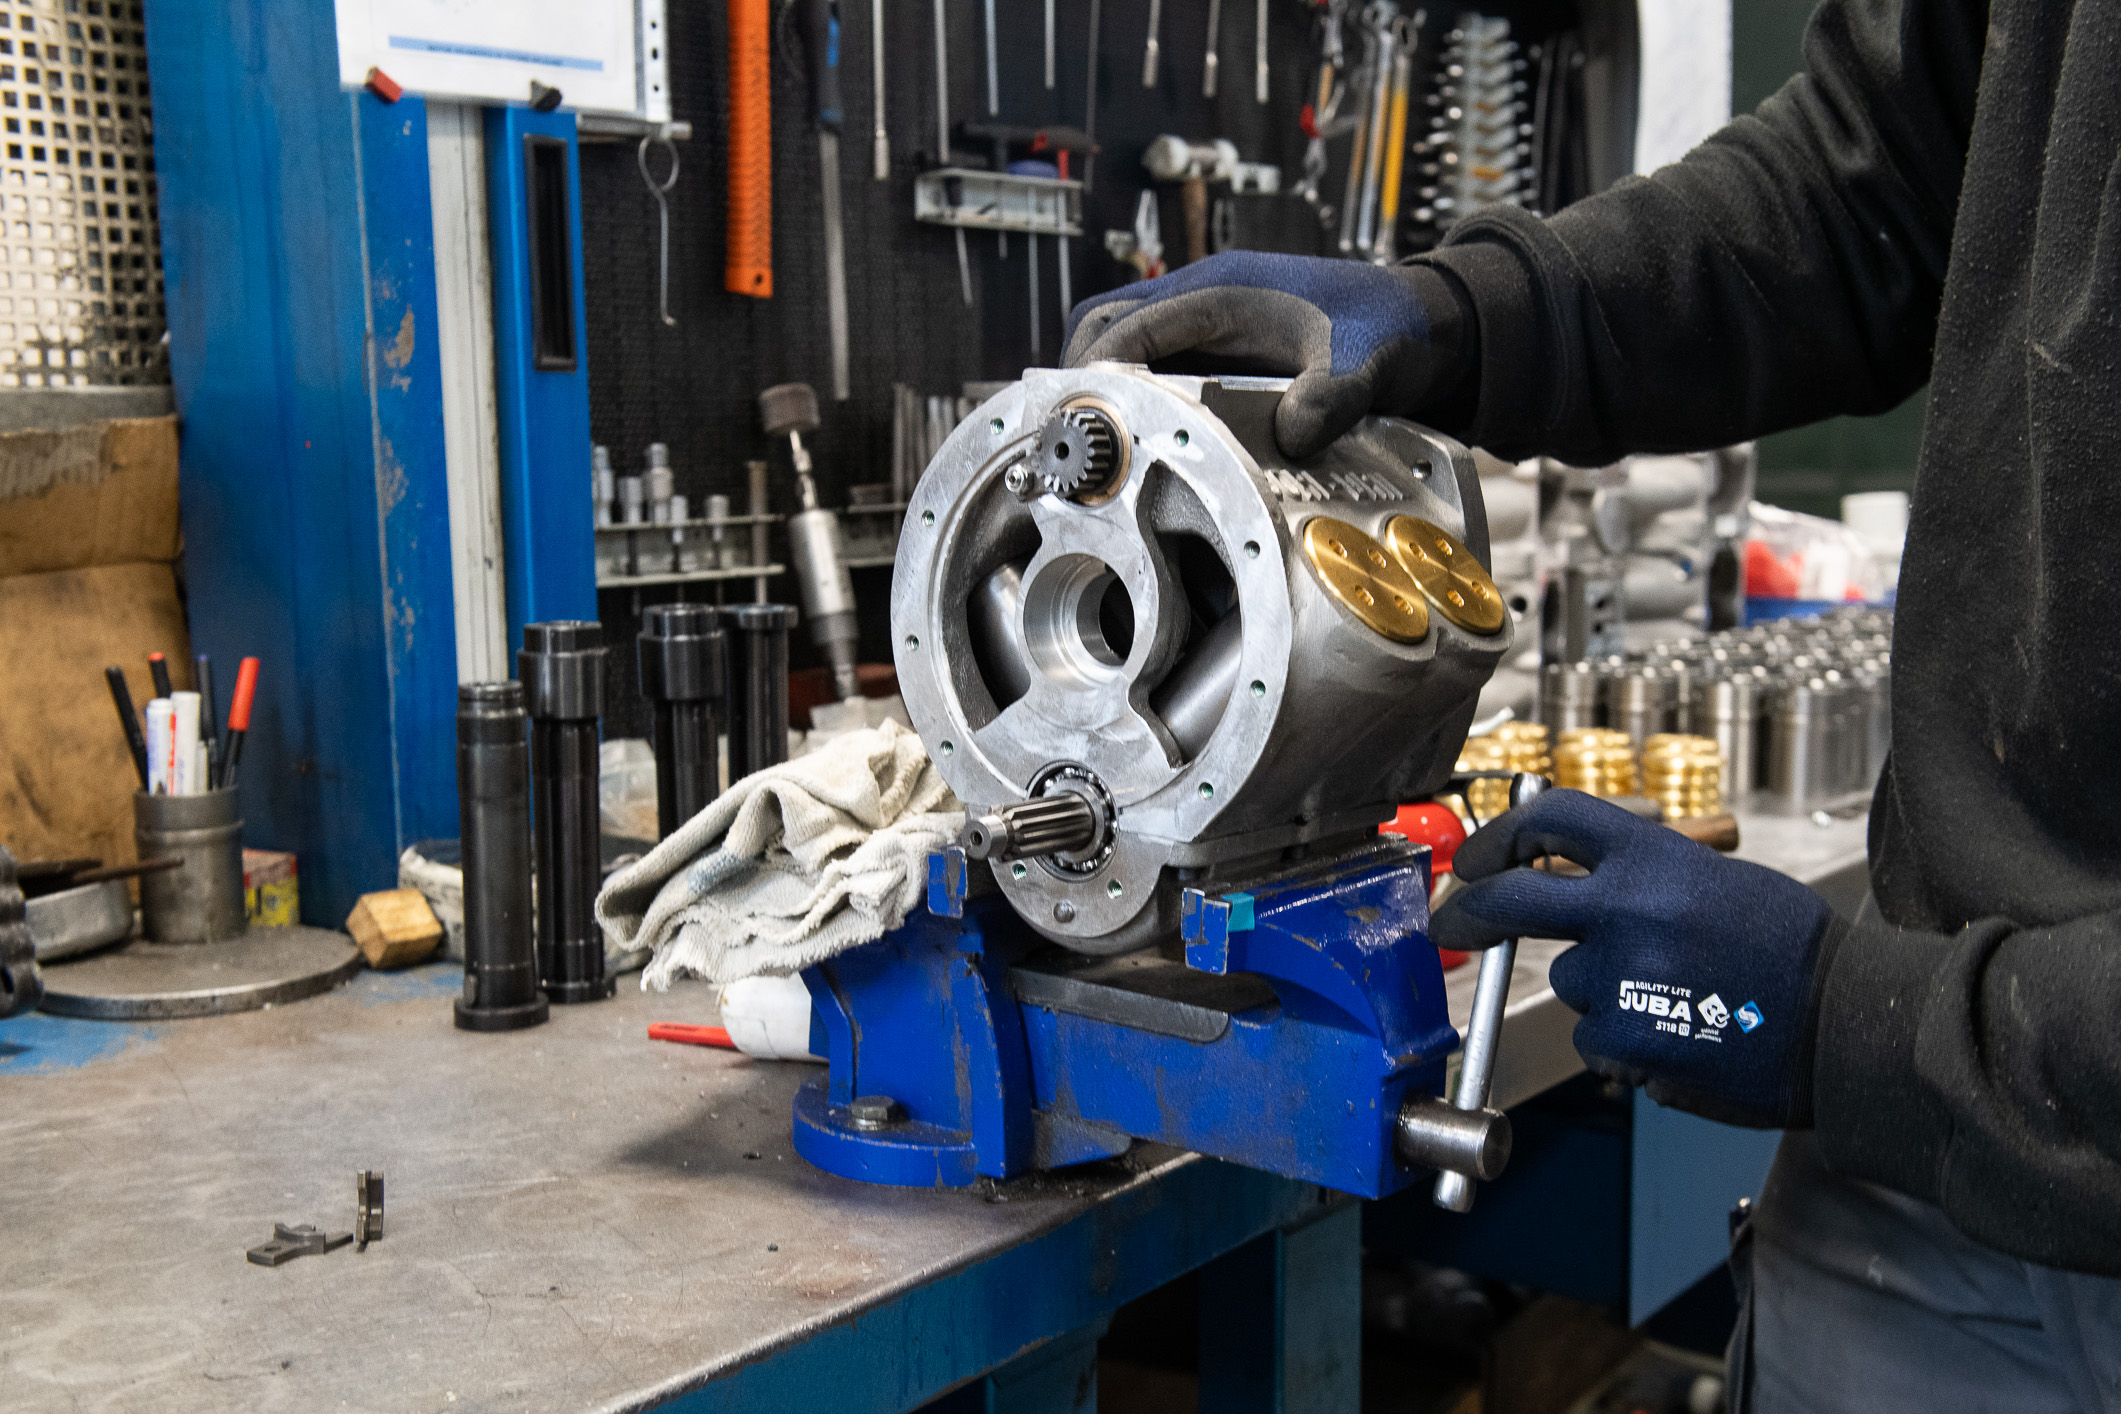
740 567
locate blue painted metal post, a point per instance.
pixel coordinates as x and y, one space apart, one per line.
297 246
1687 1175
1060 1377
1281 1320
541 398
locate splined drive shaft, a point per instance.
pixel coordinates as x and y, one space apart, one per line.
1049 825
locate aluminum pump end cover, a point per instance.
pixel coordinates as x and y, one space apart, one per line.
1221 649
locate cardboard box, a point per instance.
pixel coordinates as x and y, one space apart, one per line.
271 896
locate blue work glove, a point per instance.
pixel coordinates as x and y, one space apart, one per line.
1698 976
1356 337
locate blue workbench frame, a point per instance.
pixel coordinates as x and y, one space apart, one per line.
1016 1332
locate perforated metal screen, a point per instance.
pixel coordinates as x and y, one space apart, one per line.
80 254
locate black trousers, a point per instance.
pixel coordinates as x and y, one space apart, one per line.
1854 1298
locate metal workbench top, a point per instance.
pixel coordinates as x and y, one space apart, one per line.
578 1218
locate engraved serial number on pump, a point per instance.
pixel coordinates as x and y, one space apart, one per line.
1335 486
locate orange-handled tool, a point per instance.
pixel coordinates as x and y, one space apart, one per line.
750 263
238 719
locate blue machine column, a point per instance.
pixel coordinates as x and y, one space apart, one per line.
296 237
541 367
1281 1320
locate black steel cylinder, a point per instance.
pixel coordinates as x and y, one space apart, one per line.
758 686
562 668
493 818
682 666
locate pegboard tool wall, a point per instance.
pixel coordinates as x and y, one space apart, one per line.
692 386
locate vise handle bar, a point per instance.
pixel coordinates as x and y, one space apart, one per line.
1465 1139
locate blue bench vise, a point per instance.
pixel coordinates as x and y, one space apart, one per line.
1297 1025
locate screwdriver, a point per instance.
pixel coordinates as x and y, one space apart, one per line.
238 720
821 32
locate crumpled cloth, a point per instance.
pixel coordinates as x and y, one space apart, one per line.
790 866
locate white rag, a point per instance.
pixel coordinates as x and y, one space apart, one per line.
790 866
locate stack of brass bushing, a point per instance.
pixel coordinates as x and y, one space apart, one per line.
1684 774
1512 747
1527 746
1596 761
1485 798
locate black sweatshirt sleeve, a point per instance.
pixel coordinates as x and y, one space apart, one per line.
1978 1071
1787 270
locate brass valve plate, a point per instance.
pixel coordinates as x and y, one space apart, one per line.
1364 577
1447 573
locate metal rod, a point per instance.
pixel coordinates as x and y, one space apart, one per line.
882 140
994 83
964 267
1353 197
1380 105
1259 55
942 88
1151 50
1049 43
1090 97
757 503
1067 292
1213 60
1031 259
1491 996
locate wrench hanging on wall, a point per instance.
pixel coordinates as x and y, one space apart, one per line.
661 192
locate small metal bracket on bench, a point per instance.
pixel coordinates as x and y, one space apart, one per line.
368 1209
289 1243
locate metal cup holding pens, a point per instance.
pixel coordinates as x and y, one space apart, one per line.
201 902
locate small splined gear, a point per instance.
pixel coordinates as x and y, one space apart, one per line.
1078 452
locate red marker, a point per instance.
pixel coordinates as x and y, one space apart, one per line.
158 669
239 719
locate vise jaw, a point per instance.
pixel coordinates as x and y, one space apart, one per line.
1289 1026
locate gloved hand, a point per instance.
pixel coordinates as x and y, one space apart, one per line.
1356 337
1697 975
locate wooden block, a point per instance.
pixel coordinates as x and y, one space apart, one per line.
394 928
1718 832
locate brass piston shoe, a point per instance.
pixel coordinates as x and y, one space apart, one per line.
1449 576
1366 579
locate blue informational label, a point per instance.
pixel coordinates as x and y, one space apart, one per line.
1749 1016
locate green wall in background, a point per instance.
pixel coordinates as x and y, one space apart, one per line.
1812 468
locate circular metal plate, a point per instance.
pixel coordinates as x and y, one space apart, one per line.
1366 579
156 981
1447 573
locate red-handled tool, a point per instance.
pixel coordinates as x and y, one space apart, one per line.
238 720
690 1035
